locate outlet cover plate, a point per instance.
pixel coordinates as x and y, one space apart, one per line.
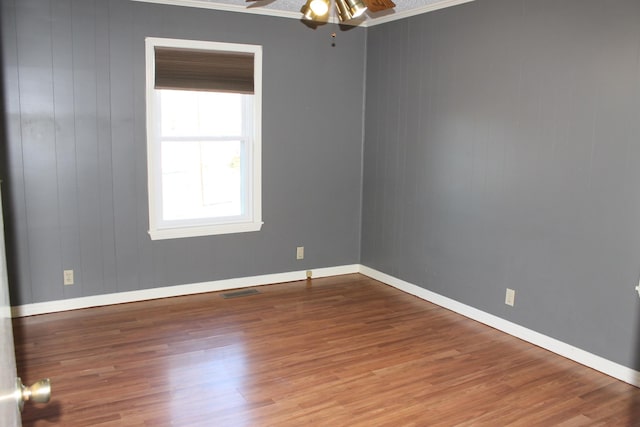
510 297
68 277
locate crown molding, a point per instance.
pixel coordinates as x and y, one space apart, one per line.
413 12
369 22
203 4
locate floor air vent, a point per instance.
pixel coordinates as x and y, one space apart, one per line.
241 293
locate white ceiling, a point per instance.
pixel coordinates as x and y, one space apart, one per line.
291 8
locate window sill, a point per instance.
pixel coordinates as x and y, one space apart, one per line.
211 230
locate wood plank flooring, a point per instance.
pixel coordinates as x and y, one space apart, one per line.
340 351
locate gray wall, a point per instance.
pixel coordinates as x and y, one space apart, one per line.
74 160
501 145
501 150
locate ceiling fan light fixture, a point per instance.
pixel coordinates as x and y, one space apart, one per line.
319 7
343 11
356 7
312 7
318 10
308 14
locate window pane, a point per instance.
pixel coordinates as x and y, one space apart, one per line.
201 179
196 113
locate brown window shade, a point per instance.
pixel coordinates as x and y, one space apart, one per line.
196 69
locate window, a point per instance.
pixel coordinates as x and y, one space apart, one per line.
203 137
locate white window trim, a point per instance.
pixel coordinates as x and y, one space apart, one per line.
253 221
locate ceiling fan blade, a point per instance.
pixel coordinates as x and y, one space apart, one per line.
379 5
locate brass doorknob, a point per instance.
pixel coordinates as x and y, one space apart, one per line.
39 392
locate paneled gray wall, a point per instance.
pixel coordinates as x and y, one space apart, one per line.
75 163
501 142
501 150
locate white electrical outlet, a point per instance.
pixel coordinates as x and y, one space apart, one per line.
309 274
300 252
68 277
510 297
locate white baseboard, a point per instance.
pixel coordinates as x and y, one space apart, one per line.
173 291
583 357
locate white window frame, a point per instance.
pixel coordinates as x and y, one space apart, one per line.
252 219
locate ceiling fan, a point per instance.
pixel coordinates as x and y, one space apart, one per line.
318 10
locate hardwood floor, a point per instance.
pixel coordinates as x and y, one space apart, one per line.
343 351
